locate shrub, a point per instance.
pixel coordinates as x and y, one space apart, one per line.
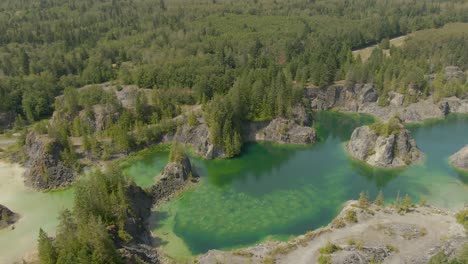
462 218
379 199
392 127
324 259
392 248
351 216
329 248
177 153
338 223
364 200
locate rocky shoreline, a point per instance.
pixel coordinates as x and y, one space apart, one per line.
360 235
363 98
45 168
460 159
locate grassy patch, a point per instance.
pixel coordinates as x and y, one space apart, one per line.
329 248
351 216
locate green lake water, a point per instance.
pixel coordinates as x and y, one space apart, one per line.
268 192
274 191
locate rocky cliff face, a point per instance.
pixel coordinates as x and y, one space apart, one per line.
7 217
279 130
45 168
198 137
460 158
392 151
363 99
173 178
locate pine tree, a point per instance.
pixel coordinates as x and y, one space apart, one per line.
364 200
192 119
379 199
46 248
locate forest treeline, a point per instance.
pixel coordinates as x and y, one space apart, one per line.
243 60
205 46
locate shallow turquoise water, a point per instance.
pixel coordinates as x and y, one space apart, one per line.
280 191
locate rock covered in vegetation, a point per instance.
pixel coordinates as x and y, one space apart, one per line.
460 158
45 168
365 99
174 177
7 217
279 130
390 149
198 137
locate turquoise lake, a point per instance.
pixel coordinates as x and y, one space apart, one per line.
275 192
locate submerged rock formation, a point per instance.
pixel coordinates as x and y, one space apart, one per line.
393 150
174 177
7 217
460 158
279 130
375 233
46 170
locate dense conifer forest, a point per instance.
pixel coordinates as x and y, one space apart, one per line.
238 60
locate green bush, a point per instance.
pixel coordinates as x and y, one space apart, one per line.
329 248
462 218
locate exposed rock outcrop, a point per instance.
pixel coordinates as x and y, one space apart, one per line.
379 234
387 151
454 72
7 217
6 120
460 158
140 204
46 170
198 137
279 130
174 177
363 99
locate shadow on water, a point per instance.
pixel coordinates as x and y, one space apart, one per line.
381 177
156 218
278 191
462 175
259 159
339 125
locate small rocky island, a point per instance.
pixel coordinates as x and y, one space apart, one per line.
385 145
7 217
175 175
460 158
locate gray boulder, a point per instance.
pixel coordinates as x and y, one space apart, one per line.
392 151
279 130
7 217
460 158
454 72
